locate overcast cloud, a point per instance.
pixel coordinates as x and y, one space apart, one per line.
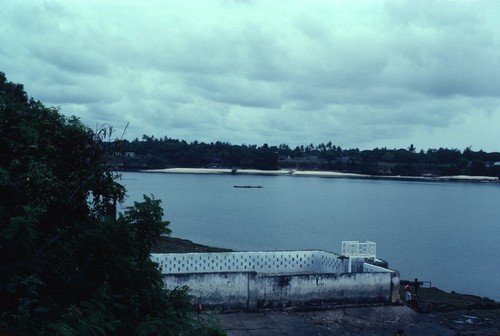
361 74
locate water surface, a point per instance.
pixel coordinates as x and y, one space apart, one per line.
444 232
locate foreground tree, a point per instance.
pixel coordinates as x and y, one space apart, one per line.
68 266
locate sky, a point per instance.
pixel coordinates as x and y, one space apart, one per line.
361 74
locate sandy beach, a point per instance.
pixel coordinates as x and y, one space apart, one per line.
315 173
219 171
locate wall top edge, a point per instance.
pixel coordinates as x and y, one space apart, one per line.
270 275
249 252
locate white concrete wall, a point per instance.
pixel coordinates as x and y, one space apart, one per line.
369 268
347 288
250 280
251 291
261 262
223 290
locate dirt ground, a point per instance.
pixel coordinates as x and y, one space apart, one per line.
178 245
398 320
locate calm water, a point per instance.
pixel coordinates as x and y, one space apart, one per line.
447 233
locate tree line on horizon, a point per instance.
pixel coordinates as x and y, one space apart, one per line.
150 152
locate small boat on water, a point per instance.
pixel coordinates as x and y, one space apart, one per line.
247 186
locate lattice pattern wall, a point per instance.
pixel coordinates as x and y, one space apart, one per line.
356 249
261 262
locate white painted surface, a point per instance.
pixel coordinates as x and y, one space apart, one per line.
262 262
251 290
250 280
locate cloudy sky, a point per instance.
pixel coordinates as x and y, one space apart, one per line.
359 73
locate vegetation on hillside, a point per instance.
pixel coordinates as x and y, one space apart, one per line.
151 152
68 264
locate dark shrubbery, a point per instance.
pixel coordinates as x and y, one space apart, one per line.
68 264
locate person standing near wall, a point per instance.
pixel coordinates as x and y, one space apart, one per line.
408 295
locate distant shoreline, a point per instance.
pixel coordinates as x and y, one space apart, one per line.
327 174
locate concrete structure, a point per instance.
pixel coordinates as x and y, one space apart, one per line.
356 250
252 280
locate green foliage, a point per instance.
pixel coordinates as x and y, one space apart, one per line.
147 219
68 264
